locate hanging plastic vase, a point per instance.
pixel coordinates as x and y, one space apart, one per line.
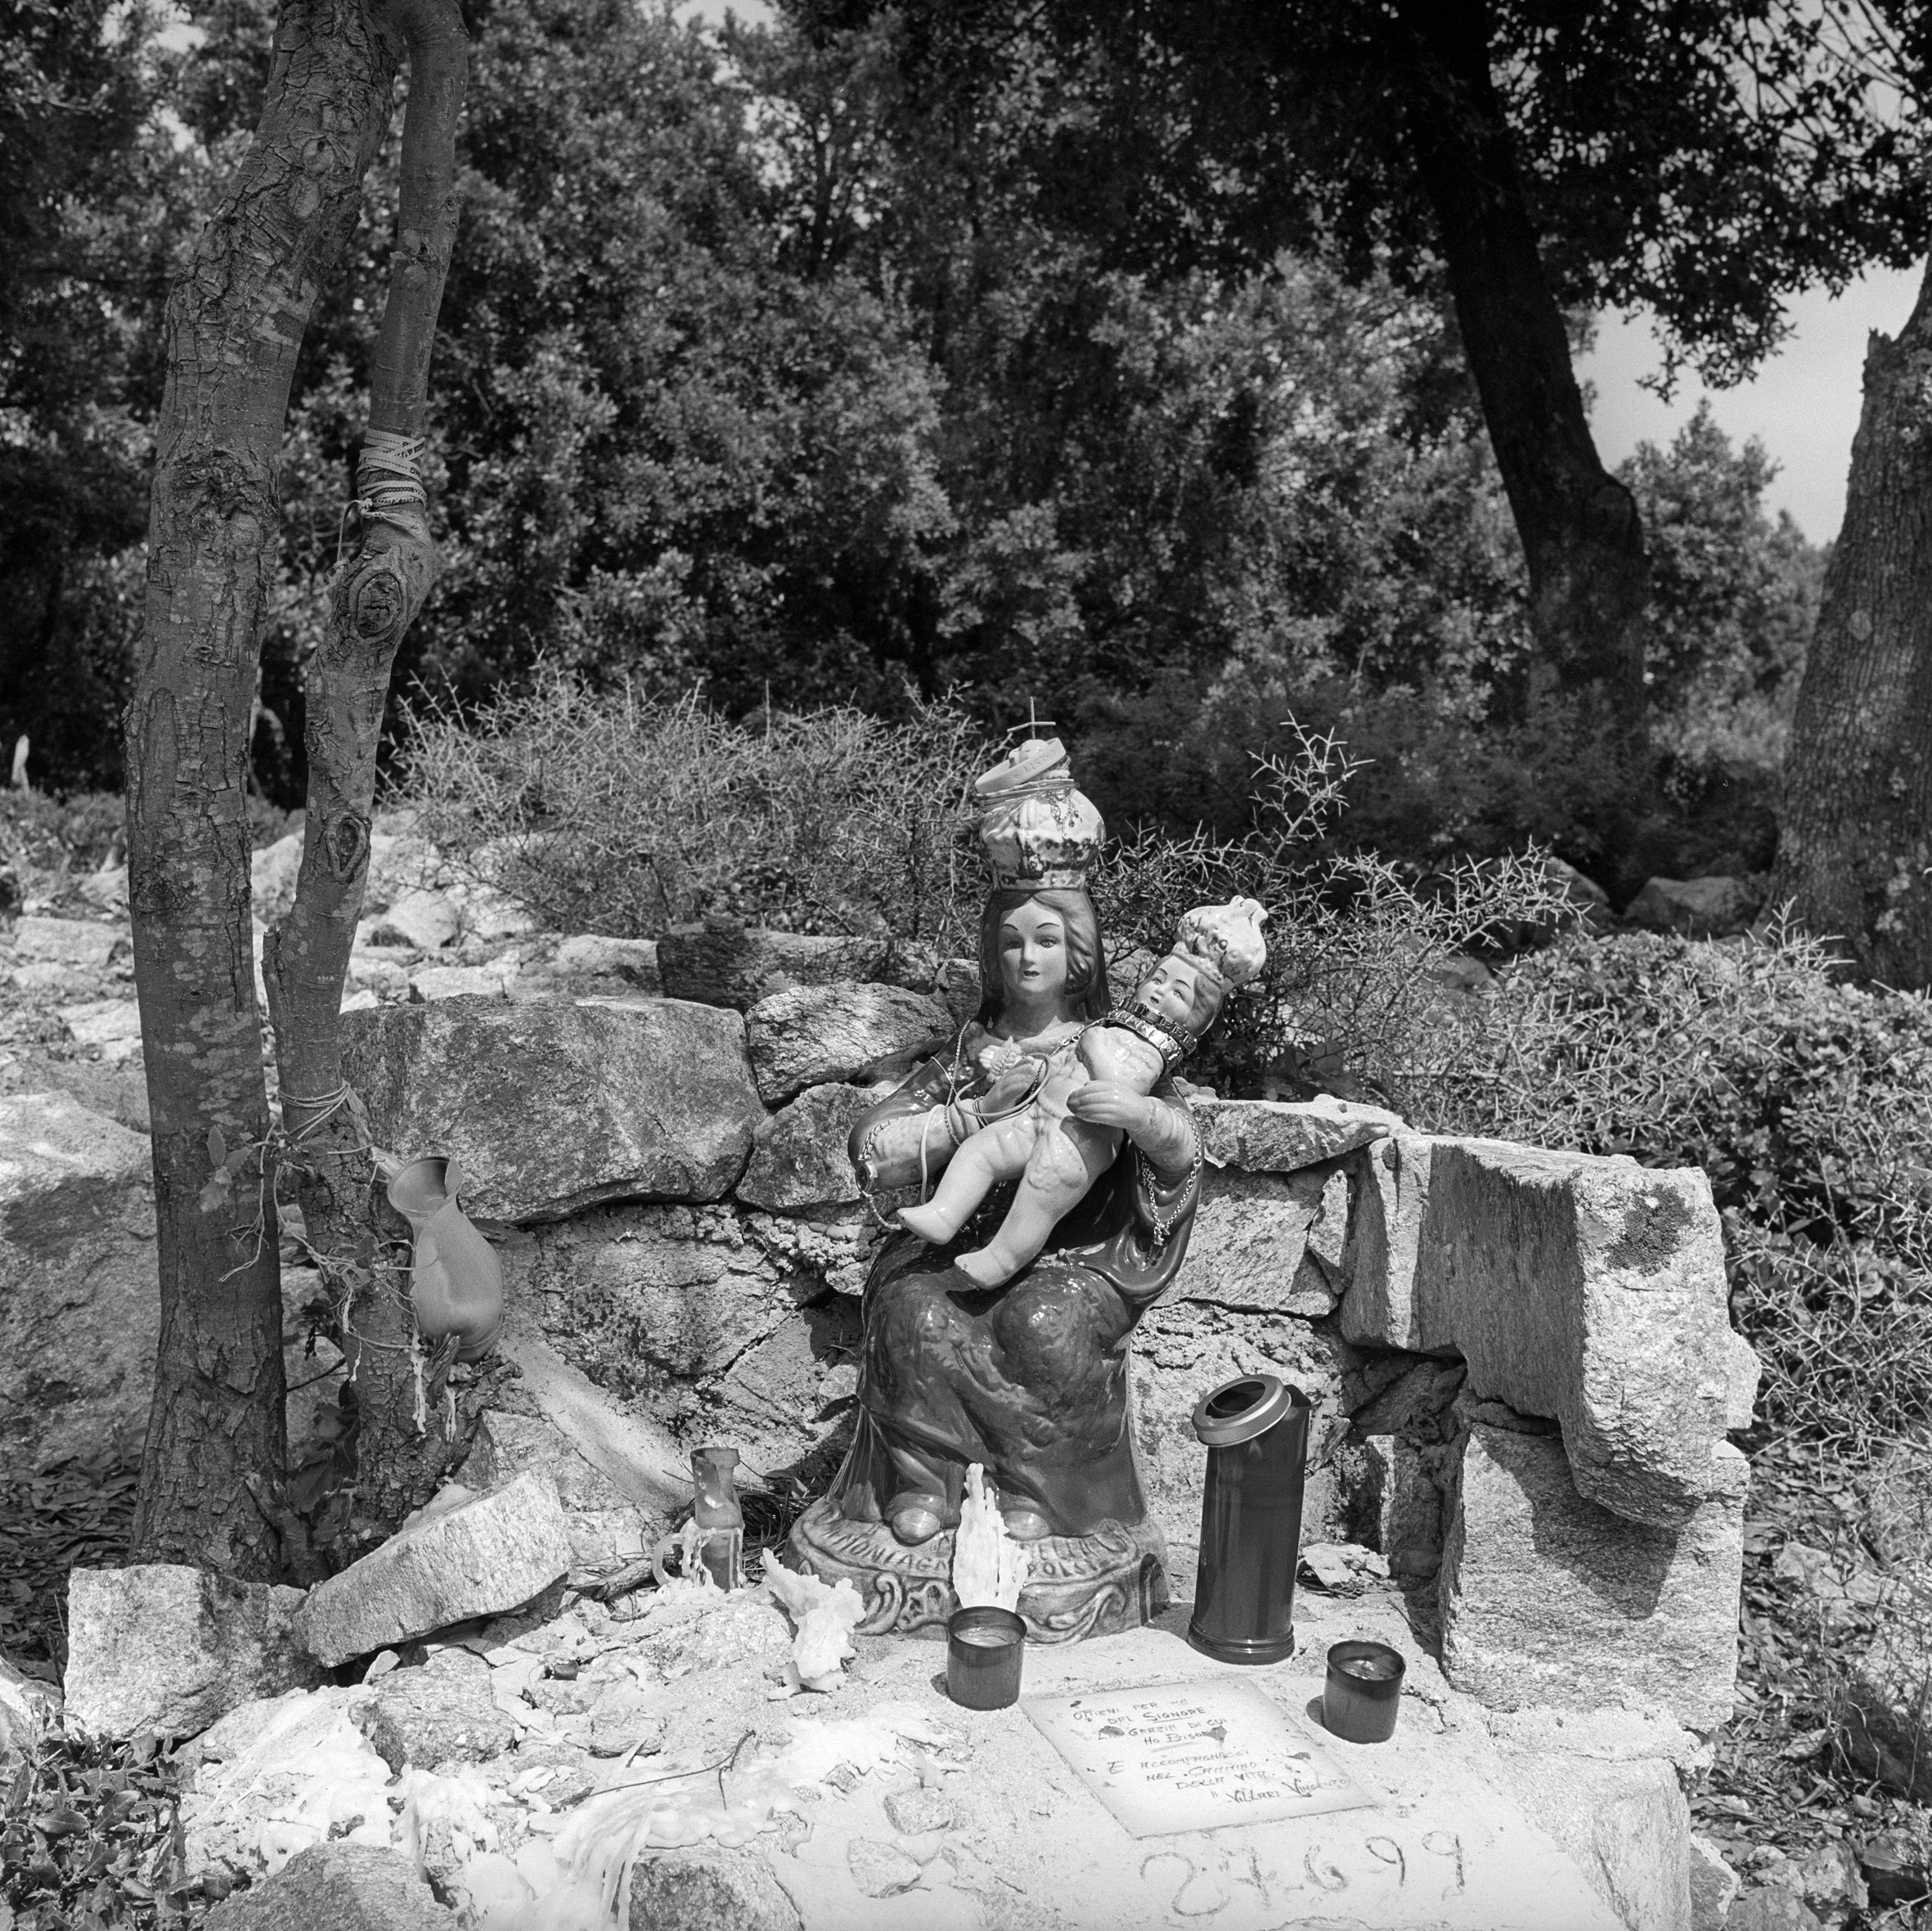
1255 1428
455 1280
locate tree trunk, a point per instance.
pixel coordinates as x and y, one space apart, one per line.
235 324
1582 537
398 1444
1855 848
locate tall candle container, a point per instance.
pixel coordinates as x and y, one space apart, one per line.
1255 1428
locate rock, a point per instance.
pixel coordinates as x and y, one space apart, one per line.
589 955
708 1887
956 986
607 1527
478 1559
398 863
336 1887
441 1711
1280 1136
881 1870
103 1022
28 1709
84 942
714 1633
798 1154
1896 1870
913 1813
1589 901
817 1034
167 1648
1772 1908
1547 1597
623 1719
1625 1824
491 916
1695 907
1884 1708
430 983
428 920
1832 1881
1249 1245
80 1293
1713 1885
724 963
1589 1291
273 873
555 1108
1457 971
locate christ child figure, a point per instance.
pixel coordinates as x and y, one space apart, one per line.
1056 1157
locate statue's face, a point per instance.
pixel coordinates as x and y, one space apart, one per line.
1033 952
1166 995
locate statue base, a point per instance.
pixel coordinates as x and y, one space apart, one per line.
1081 1585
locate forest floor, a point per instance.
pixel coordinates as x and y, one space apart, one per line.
1781 1801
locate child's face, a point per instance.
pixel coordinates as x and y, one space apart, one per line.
1166 995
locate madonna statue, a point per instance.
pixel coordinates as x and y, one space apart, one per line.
1027 1378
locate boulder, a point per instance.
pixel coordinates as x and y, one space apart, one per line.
428 920
555 1108
721 963
79 1294
84 942
400 863
164 1647
798 1155
591 955
1695 907
336 1887
818 1033
1547 1598
709 1888
607 1527
273 873
477 1559
1249 1247
432 983
1267 1136
1589 1291
440 1712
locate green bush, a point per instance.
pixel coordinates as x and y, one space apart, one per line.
1808 1102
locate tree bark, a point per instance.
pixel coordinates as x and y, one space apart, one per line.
1582 536
400 1444
235 325
1855 848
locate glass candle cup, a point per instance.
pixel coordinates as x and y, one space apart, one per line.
1363 1691
984 1649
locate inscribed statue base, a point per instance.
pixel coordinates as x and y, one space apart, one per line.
1081 1585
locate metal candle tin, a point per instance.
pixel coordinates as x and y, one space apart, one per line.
1363 1691
984 1650
1255 1428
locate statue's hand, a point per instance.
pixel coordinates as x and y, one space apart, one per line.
1113 1102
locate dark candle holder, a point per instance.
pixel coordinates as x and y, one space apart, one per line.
984 1650
1363 1691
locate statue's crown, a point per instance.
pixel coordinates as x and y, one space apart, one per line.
1224 941
1037 829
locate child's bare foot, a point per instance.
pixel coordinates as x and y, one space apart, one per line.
929 1222
985 1266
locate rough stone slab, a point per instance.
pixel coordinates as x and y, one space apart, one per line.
607 1527
1586 1290
1625 1824
709 1888
555 1108
70 941
476 1560
798 1155
735 965
1269 1136
168 1648
1546 1597
440 1712
1695 907
336 1887
818 1033
1249 1246
80 1292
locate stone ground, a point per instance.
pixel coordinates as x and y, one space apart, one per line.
1778 1798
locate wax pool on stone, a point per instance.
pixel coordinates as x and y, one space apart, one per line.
1169 1757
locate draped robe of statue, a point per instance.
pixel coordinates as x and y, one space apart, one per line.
1030 1381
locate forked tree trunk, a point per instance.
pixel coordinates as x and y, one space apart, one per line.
235 327
397 1448
1855 848
1582 536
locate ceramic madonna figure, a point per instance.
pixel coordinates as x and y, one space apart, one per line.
1020 1366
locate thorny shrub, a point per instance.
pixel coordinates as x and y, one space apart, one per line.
1808 1102
625 815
